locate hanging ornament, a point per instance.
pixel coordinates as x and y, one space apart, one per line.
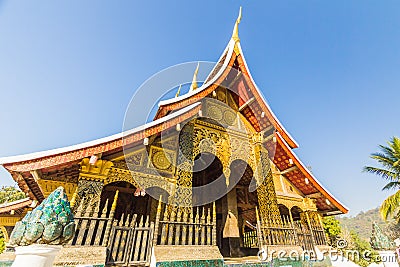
142 193
137 192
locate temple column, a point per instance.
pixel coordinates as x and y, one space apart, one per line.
182 195
267 200
231 234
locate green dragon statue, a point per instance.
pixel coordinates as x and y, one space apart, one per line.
52 222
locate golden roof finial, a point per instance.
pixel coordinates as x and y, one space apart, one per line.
235 33
194 85
179 91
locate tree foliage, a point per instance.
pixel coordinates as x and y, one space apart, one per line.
332 229
389 159
10 193
392 230
367 254
2 242
350 242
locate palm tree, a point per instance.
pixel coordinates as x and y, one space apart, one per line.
389 159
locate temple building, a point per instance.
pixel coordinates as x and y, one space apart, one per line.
144 195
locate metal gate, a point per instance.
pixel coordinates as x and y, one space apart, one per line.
130 242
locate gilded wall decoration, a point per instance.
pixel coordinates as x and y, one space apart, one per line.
96 171
290 202
139 179
162 159
213 141
242 150
120 175
48 186
222 113
136 159
309 204
88 193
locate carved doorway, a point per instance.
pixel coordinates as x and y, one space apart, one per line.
246 201
207 169
130 200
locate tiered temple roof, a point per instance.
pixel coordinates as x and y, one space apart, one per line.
25 169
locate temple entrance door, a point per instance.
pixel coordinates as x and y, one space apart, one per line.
246 202
236 217
131 235
208 169
130 200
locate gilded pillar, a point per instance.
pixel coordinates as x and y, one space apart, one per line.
312 219
314 222
182 195
267 199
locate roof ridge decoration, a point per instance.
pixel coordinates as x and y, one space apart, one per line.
179 91
235 33
194 84
232 51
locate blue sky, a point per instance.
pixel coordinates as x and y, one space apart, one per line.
329 69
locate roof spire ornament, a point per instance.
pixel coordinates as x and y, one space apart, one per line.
235 33
179 91
194 85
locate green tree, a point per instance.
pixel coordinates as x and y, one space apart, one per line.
332 229
351 246
10 193
366 254
392 229
389 159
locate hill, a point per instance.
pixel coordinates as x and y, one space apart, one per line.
362 223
